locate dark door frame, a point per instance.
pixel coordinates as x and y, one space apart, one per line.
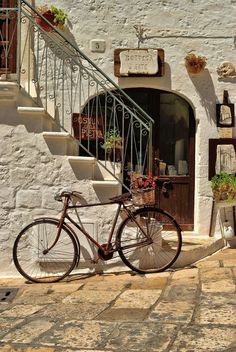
179 200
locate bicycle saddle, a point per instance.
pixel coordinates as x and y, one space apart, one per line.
67 194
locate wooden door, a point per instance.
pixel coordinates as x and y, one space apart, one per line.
173 142
8 36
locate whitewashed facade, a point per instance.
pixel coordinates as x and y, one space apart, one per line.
30 174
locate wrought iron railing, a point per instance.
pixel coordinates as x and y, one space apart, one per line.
81 98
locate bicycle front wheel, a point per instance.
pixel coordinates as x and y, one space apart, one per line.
149 240
32 259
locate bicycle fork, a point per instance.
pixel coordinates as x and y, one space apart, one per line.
60 224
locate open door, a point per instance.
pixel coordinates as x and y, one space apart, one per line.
173 143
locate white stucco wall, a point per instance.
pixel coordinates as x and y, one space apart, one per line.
179 27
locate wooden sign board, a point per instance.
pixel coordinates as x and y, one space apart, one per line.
139 62
87 127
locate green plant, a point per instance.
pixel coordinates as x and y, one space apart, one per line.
113 140
59 16
224 186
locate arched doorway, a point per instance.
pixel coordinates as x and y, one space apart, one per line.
173 143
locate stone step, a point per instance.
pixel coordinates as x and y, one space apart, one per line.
104 170
36 119
82 166
195 249
8 91
61 143
107 189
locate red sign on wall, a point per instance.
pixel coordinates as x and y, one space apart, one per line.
87 127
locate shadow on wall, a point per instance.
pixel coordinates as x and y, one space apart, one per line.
206 91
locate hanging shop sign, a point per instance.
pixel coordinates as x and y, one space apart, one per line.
87 127
138 62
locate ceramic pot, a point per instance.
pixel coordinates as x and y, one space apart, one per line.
50 17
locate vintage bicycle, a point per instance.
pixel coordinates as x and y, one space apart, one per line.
148 240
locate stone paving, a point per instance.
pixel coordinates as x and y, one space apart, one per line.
187 310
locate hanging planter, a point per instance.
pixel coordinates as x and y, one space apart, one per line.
43 24
195 63
57 17
113 145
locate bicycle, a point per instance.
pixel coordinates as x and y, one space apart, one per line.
148 240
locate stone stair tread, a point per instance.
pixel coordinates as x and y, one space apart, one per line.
106 183
30 109
57 135
8 90
84 159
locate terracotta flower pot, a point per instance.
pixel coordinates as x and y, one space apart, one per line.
195 64
50 17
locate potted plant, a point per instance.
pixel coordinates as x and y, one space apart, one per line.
57 17
224 187
143 188
113 144
195 63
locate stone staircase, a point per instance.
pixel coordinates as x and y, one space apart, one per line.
61 143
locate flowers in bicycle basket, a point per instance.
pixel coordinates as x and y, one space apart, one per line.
142 183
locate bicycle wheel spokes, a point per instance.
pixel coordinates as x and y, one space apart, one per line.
149 240
32 257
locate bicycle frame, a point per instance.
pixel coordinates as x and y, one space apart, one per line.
106 248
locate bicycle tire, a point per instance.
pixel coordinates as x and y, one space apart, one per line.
54 266
154 250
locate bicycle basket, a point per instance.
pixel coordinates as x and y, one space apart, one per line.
144 197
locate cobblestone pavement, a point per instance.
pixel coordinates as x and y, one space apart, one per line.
187 310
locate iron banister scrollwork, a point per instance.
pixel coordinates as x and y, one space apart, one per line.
66 82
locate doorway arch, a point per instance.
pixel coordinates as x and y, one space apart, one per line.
174 144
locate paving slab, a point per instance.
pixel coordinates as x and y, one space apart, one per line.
142 299
199 338
149 283
211 274
92 296
82 335
141 337
216 309
124 314
22 310
226 285
79 311
178 291
177 311
28 332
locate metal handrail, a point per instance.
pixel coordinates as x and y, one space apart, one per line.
71 87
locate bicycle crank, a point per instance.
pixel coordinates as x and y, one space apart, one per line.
105 254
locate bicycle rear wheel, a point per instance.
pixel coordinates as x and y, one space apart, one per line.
34 263
149 240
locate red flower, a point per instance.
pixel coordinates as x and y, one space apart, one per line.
144 182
